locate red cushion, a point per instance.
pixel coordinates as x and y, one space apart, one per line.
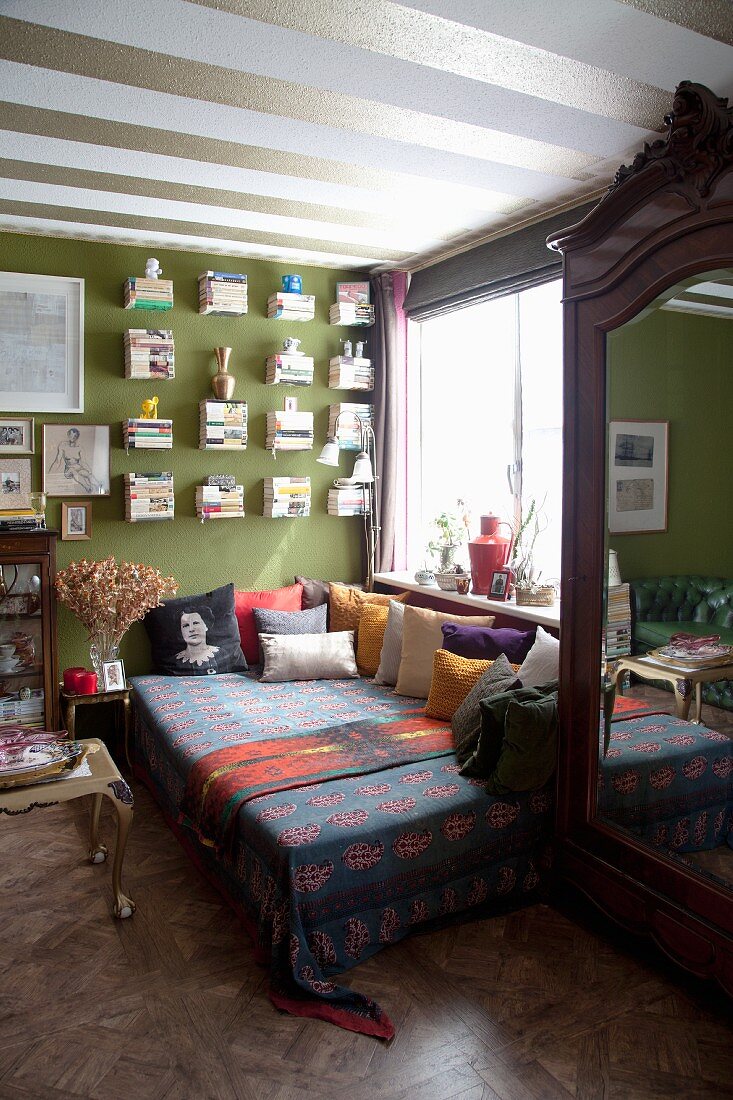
277 599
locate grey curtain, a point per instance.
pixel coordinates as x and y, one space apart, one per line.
388 355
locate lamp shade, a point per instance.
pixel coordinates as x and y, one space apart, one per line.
330 454
363 472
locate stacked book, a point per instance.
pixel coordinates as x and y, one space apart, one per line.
222 425
350 373
21 519
148 293
351 313
153 435
618 628
222 292
287 496
347 502
291 307
149 353
352 414
22 712
215 502
148 496
294 370
289 431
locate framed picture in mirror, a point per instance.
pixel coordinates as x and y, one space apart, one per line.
637 476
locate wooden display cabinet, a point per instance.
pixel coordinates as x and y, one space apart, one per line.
28 671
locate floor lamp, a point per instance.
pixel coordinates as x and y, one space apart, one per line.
365 474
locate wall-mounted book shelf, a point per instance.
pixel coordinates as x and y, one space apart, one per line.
347 502
287 497
354 314
216 502
291 307
291 370
149 353
289 431
148 497
222 425
349 428
222 293
139 434
346 372
148 293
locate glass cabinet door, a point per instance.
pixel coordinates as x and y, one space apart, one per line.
22 632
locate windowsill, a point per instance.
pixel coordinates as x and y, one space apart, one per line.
547 616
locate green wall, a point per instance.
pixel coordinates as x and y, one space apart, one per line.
679 367
254 552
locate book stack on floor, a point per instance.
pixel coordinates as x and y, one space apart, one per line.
149 353
346 502
22 712
291 307
289 431
222 425
151 435
148 497
222 293
287 496
217 502
350 373
349 429
618 628
21 519
293 370
148 293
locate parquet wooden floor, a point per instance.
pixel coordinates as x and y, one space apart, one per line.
170 1004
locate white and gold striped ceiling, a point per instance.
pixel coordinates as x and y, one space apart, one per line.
349 133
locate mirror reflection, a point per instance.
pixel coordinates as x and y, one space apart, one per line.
666 744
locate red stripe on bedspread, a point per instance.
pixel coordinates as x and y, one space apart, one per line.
221 782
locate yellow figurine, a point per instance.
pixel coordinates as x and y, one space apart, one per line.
150 409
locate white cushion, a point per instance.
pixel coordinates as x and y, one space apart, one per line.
308 656
389 662
542 663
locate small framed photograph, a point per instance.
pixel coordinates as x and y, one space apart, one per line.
113 676
76 460
291 404
499 587
76 520
637 476
17 436
15 483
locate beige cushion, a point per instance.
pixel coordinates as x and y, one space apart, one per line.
421 636
308 656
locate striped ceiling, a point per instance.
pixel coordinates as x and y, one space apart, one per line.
332 132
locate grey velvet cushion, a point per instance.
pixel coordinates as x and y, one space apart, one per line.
466 722
308 656
312 621
389 662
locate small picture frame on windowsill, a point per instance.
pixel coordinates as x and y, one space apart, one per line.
499 587
113 676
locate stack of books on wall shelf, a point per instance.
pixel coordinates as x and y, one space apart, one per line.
21 519
148 293
214 502
223 293
346 502
293 370
348 313
349 429
287 496
618 628
149 353
222 425
152 435
22 712
350 373
148 497
289 431
291 307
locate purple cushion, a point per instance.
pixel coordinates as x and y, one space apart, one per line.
485 643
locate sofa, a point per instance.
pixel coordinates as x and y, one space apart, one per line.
661 606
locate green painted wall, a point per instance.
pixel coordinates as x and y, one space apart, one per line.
679 367
254 552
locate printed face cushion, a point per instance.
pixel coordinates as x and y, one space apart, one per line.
485 643
542 663
196 635
466 722
421 636
389 662
372 625
308 656
453 678
346 605
277 599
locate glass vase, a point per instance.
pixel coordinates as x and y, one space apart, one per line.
103 648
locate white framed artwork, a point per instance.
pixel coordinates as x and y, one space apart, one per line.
637 476
76 460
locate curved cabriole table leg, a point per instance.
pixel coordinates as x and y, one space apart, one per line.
122 800
97 851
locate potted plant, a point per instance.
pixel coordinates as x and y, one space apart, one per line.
451 531
526 578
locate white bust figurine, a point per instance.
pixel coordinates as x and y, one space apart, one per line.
152 268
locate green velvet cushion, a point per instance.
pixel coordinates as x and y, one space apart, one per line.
482 762
529 749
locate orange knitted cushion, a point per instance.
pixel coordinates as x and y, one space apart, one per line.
453 678
372 625
347 604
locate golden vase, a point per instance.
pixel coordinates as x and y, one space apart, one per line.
223 382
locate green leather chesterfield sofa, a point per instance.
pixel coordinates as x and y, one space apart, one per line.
660 606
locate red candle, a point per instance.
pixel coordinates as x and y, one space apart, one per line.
71 678
86 683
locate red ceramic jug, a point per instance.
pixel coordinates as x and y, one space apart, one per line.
488 551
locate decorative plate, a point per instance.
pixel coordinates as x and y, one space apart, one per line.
58 757
709 655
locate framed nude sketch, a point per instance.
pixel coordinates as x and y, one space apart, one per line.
76 460
637 476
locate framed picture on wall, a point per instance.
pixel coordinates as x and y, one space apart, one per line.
17 435
637 476
76 460
15 483
76 520
41 343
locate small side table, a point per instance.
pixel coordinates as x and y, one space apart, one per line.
70 701
683 678
105 781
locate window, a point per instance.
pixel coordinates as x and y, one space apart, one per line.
488 410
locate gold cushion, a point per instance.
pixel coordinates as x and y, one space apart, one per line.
421 636
346 605
372 625
453 678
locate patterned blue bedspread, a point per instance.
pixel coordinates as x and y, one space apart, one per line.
326 875
669 782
